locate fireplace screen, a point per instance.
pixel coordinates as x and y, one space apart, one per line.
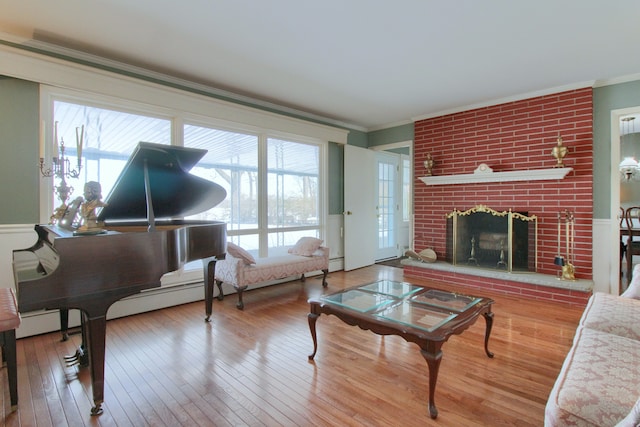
485 238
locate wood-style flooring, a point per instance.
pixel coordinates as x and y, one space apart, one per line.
250 368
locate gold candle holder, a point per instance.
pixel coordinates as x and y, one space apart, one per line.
60 168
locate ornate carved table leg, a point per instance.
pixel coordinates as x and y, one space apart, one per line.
488 317
312 317
433 356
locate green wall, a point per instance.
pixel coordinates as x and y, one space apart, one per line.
606 99
336 170
19 124
19 133
390 135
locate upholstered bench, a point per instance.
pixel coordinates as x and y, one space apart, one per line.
241 269
9 322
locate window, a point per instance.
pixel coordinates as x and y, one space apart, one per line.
109 138
406 188
275 188
293 192
290 204
232 162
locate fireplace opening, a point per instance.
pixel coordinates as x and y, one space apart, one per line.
485 238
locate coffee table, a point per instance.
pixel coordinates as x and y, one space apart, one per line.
421 315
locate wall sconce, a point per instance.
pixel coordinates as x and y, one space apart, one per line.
629 170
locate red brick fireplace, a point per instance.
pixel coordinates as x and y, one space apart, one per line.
515 136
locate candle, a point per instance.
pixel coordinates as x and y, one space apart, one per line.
55 140
79 142
42 125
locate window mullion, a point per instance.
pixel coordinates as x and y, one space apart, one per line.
263 200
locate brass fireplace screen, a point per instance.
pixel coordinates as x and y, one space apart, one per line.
485 238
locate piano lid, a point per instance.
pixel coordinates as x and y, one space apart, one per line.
174 191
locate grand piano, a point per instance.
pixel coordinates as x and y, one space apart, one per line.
144 239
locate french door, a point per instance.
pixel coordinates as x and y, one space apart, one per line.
387 207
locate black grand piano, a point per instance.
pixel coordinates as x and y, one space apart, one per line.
63 270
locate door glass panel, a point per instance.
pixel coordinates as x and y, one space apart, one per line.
386 204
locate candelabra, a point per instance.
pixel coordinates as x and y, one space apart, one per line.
60 168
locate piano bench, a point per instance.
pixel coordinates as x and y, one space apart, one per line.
9 322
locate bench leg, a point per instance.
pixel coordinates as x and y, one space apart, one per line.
220 296
302 278
324 277
240 304
9 355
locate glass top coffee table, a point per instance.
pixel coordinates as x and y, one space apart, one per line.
425 316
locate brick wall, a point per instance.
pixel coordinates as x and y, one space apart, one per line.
517 135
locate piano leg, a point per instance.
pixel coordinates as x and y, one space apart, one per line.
209 265
96 328
64 323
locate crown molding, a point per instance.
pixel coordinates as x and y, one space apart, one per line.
498 101
73 55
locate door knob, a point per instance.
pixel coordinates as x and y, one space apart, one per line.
346 213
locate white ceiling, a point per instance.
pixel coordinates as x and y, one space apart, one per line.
366 63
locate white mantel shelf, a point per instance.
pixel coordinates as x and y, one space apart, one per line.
472 178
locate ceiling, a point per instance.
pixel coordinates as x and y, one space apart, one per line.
369 64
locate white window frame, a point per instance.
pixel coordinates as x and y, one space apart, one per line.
178 119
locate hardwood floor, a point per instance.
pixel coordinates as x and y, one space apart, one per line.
250 367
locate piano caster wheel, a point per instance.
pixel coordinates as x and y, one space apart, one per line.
207 319
65 336
96 410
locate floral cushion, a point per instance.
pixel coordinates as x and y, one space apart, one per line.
633 418
598 384
237 252
613 314
271 268
306 246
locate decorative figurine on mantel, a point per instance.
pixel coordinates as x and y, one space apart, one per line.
92 201
428 165
558 152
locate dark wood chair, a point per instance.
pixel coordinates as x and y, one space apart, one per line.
632 220
623 236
